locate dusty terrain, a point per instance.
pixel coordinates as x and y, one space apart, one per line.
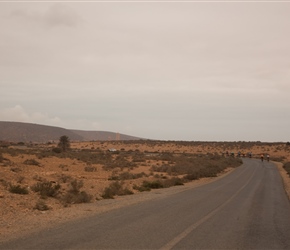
25 166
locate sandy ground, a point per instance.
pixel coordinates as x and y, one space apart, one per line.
18 216
285 177
25 223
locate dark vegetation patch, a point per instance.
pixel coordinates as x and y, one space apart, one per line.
46 189
41 205
127 176
193 166
286 166
17 189
31 162
115 188
75 195
156 184
167 168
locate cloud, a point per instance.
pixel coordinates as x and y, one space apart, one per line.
61 15
19 114
54 16
152 70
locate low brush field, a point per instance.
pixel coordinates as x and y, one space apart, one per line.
38 178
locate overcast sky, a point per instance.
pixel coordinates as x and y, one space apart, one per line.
202 71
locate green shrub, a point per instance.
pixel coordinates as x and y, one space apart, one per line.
17 189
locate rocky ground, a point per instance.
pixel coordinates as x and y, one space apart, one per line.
18 212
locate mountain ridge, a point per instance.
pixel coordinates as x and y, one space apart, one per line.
37 133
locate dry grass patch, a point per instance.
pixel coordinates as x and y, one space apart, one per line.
89 171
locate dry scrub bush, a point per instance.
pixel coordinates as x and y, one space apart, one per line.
91 157
17 189
286 166
4 183
279 159
175 181
74 195
156 184
1 157
41 206
85 155
120 161
31 162
15 169
56 150
46 189
138 157
152 184
115 188
20 179
64 178
196 166
90 169
127 176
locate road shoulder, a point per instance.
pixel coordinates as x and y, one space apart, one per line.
285 177
22 225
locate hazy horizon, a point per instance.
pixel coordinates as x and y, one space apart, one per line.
165 70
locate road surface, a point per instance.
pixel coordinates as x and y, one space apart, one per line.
246 209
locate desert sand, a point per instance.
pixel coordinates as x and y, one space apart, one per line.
20 216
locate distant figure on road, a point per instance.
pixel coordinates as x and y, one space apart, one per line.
268 157
262 157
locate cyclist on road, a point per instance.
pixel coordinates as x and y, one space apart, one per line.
268 157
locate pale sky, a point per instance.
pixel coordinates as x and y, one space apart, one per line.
167 70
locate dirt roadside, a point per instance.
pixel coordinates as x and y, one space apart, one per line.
23 224
285 178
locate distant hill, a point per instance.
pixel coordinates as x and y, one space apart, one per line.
103 136
28 132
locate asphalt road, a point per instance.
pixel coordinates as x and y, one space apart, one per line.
247 209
